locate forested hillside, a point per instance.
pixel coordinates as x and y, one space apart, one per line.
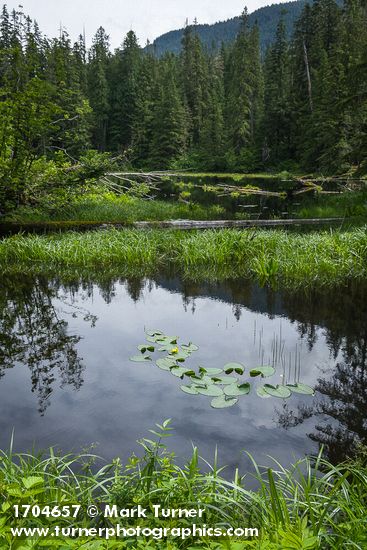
304 106
212 36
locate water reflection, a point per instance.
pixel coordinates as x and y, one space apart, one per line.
340 405
74 339
33 332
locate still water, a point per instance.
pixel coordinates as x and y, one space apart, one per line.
66 379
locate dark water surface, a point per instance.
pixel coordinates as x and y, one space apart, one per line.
66 378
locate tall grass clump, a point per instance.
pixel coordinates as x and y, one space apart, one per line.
309 506
347 204
111 208
273 257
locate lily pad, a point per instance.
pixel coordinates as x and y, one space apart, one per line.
210 372
153 332
234 390
201 380
178 371
165 348
301 388
234 367
264 372
225 380
190 373
278 391
190 390
166 363
181 356
168 340
262 393
143 348
140 358
190 348
212 391
223 402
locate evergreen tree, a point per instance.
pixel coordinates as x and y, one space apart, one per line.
276 124
98 88
212 142
123 82
354 48
194 78
71 130
147 91
244 96
169 124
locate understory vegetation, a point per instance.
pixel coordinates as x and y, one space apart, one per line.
312 505
100 205
108 207
350 204
320 258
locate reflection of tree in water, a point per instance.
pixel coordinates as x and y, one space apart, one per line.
341 399
135 287
33 333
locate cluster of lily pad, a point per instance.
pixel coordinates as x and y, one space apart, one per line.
221 384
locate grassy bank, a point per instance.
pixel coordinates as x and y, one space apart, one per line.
349 205
309 506
292 259
108 207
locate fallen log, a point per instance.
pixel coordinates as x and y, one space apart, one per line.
219 224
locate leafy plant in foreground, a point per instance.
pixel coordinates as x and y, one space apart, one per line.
311 505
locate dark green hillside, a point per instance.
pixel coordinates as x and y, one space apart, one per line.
225 31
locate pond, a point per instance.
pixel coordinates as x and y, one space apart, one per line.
273 197
66 378
222 192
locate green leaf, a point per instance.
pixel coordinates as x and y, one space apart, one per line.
190 373
223 402
301 388
178 371
32 481
225 380
165 363
140 358
166 340
234 390
212 391
3 521
202 380
278 391
262 393
190 347
15 490
190 390
264 372
180 356
154 333
210 372
165 347
238 368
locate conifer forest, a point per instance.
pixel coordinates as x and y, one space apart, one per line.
301 105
